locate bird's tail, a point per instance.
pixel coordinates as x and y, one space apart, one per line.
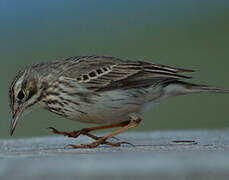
182 88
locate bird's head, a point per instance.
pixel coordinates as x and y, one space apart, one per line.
24 92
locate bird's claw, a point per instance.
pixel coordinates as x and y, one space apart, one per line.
73 134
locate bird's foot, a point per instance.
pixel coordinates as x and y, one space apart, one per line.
72 134
75 134
98 142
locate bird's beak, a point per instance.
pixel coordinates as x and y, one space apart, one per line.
14 120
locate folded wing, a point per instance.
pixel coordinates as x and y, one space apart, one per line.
102 73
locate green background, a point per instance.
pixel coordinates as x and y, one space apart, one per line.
184 33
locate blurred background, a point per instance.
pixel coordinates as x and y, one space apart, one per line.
189 34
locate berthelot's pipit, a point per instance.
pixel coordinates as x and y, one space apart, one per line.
103 90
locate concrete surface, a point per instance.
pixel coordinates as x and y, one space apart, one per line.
155 156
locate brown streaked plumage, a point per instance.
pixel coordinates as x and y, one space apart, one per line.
98 89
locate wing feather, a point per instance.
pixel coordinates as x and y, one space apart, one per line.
101 72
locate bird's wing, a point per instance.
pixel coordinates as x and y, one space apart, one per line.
103 73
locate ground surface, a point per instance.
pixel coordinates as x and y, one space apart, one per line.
155 156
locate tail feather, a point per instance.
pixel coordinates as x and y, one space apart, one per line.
183 88
203 88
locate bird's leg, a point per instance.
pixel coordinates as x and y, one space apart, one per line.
102 140
73 134
105 142
85 131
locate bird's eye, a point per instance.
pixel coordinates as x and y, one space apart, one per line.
20 95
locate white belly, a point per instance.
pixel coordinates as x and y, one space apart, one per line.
115 106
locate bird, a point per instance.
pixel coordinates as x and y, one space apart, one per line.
108 91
